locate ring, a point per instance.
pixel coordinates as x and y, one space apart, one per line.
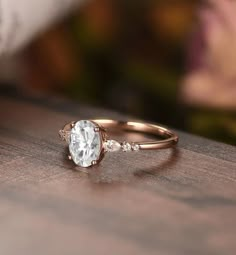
88 139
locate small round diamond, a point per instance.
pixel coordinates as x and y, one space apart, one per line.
126 146
135 147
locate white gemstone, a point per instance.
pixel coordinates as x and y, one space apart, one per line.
126 146
135 147
65 135
112 146
85 143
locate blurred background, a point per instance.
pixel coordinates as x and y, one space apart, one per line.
172 62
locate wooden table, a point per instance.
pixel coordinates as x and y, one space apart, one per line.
159 202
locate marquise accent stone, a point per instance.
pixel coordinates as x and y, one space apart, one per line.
85 143
112 146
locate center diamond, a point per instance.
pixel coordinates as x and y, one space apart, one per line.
85 143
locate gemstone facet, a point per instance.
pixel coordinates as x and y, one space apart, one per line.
85 143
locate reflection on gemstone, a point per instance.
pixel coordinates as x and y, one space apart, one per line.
85 143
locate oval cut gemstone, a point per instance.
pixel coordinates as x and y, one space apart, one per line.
85 143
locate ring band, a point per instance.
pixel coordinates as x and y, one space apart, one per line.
88 140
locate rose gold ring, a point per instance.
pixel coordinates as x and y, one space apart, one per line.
88 139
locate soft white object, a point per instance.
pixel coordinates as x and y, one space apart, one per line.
21 20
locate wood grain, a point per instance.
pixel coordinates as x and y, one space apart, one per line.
160 202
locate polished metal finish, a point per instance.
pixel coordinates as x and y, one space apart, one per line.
168 138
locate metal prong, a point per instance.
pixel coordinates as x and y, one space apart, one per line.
96 129
69 157
94 162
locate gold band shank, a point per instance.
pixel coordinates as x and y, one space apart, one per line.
170 138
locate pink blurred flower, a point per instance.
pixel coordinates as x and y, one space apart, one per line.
211 81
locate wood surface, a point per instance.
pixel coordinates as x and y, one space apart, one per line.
179 201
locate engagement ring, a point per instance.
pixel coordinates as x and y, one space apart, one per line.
88 139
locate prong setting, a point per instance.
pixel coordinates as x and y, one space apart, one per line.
72 124
94 162
88 140
97 129
85 143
